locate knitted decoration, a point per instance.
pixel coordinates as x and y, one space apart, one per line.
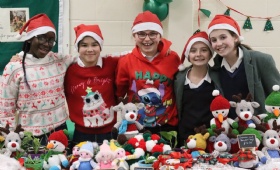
274 98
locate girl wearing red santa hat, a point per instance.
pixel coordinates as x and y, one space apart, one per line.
193 86
90 87
32 92
148 72
240 69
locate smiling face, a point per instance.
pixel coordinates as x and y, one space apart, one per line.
199 54
224 43
148 44
89 50
40 49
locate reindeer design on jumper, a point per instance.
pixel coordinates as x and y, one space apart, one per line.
95 112
151 97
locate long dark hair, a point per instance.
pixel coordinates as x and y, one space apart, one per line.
25 49
239 44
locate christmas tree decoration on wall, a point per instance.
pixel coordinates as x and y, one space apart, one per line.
247 25
158 7
268 26
227 12
205 12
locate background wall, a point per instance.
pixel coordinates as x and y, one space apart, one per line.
115 17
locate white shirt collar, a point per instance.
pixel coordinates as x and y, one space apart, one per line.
192 85
236 64
150 58
99 62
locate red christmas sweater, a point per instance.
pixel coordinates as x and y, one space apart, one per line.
151 82
90 94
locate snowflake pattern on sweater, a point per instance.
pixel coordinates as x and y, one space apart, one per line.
42 107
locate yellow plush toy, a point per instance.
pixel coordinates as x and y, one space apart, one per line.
197 143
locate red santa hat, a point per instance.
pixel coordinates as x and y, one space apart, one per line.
147 21
219 102
88 30
225 22
197 37
148 88
38 24
59 136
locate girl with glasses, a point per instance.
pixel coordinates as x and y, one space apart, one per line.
32 92
148 74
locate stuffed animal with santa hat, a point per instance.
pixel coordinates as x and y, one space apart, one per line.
272 106
105 156
85 161
220 108
57 143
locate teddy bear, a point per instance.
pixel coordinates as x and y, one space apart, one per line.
57 143
197 143
271 143
244 110
85 160
12 141
128 127
220 108
105 156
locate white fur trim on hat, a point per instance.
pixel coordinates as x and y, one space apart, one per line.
91 34
148 90
147 26
194 40
39 31
227 27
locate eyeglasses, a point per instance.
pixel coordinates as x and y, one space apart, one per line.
143 35
43 40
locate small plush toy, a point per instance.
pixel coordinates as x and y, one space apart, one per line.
8 163
12 140
244 110
257 157
105 156
85 161
220 108
120 158
75 153
128 127
271 143
222 145
57 142
196 144
272 106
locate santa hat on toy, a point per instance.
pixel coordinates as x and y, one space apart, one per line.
59 136
147 21
88 30
88 148
197 37
274 98
225 22
37 25
148 88
219 102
